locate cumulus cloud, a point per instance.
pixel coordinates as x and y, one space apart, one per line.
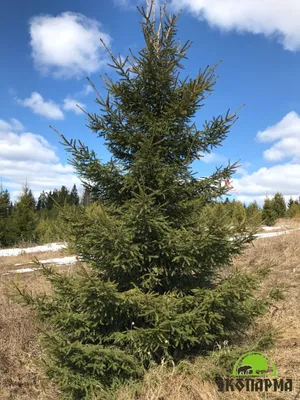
286 133
16 125
67 45
283 178
38 105
272 18
71 105
212 157
25 156
23 146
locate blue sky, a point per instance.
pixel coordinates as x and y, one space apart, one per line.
50 47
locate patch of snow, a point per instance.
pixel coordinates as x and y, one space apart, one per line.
23 270
58 261
72 259
35 249
272 234
271 228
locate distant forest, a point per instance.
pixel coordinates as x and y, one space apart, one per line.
30 220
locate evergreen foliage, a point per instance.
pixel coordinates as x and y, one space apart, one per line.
254 214
74 197
279 205
153 236
290 203
268 213
37 222
24 218
5 218
294 210
239 213
42 201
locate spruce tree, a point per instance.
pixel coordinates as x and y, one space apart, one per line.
155 247
42 201
293 211
24 217
279 205
290 203
74 197
49 200
239 213
4 203
6 228
269 215
254 214
63 196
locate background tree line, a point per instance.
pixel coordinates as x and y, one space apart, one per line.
39 221
30 220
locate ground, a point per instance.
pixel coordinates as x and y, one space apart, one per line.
21 373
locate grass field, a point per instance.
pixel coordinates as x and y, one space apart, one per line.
21 374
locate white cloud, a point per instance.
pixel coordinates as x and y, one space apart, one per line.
25 156
38 105
23 146
242 170
67 45
287 134
272 18
70 105
123 3
17 126
212 158
87 89
132 4
284 178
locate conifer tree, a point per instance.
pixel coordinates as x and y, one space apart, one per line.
63 196
4 203
239 213
24 218
42 201
279 205
49 201
6 231
294 210
254 214
74 197
269 215
154 246
290 203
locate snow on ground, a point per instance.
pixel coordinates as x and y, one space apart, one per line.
35 249
72 259
58 261
271 228
272 234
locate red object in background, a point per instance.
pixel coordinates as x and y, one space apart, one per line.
227 182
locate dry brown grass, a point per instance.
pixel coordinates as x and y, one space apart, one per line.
20 354
283 224
21 375
21 371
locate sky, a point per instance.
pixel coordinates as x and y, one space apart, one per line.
50 48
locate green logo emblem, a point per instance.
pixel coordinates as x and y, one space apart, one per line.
254 364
